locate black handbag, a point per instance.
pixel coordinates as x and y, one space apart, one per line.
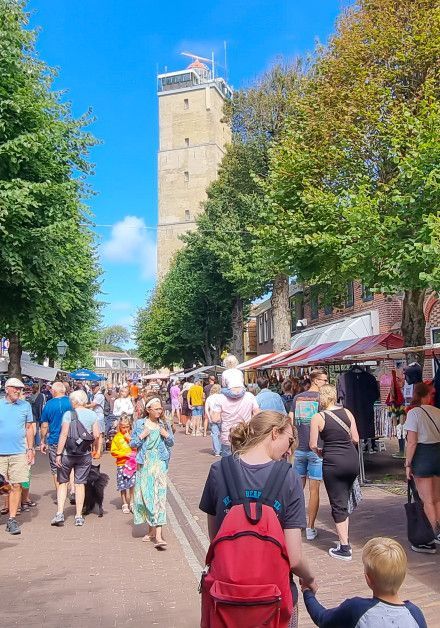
419 529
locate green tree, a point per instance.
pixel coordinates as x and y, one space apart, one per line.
354 184
112 337
50 274
257 114
188 318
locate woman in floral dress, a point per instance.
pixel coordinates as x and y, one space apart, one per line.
152 437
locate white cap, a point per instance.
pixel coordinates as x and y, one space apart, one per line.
13 381
232 378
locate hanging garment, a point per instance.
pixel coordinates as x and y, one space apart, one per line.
357 391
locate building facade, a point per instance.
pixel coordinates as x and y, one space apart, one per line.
362 314
118 366
192 140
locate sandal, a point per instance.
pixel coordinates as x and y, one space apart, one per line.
30 503
4 511
160 544
125 509
25 507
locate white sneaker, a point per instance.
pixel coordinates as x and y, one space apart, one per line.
311 534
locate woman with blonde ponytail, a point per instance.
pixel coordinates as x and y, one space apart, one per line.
256 446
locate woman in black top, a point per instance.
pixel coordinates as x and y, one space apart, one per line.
337 428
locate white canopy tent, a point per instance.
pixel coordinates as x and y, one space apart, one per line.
33 370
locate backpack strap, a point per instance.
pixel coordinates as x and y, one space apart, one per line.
234 485
232 479
275 482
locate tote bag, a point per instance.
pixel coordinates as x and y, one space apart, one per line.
419 529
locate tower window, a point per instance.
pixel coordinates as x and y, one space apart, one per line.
186 103
186 175
187 215
186 141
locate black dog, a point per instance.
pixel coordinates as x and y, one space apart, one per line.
96 483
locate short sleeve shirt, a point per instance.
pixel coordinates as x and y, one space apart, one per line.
99 409
53 413
174 393
195 395
234 411
85 415
304 406
215 499
428 431
13 419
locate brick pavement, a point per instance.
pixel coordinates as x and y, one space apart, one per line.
103 575
99 575
380 514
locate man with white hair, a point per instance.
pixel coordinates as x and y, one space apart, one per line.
79 433
16 445
51 418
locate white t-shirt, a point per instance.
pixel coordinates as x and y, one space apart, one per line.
428 432
99 409
234 411
123 404
213 405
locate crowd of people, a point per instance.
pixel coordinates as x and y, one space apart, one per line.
302 425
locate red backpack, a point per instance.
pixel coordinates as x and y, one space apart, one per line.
245 583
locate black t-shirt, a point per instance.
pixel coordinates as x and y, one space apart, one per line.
215 500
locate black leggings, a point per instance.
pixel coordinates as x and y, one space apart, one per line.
338 479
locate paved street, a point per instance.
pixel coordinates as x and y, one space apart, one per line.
104 575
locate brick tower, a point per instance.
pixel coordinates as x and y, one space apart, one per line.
192 139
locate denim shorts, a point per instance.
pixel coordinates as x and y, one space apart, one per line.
308 464
197 411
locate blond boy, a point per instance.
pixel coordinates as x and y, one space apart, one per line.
385 569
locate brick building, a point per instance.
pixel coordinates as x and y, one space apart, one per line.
363 314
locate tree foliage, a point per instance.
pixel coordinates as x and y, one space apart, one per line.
188 318
49 279
257 115
112 337
354 184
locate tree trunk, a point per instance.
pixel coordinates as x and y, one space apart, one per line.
51 362
413 323
207 348
237 347
281 313
15 350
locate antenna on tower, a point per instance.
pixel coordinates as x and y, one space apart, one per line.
226 63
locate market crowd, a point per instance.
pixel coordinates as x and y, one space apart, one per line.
273 438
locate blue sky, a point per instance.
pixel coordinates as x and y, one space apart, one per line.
108 54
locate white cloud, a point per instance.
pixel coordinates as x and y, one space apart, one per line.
131 243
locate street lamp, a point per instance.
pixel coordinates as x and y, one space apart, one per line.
62 348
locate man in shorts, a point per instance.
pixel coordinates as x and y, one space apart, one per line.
81 464
16 445
195 403
51 419
307 463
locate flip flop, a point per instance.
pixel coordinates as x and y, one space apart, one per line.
30 503
126 509
4 511
160 544
148 538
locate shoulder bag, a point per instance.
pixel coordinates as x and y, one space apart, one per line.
355 494
419 529
430 418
